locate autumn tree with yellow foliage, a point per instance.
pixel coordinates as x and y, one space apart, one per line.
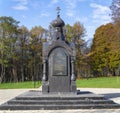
105 50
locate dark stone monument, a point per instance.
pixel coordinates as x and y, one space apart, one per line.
58 59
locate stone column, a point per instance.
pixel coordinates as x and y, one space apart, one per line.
45 87
73 84
73 70
44 78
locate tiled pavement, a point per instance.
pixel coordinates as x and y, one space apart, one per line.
113 94
65 111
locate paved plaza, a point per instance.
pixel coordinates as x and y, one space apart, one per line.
110 93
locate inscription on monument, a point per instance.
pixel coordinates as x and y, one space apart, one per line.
58 62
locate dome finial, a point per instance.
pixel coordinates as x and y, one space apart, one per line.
58 25
58 22
58 11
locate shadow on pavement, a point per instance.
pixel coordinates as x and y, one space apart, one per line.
111 95
83 92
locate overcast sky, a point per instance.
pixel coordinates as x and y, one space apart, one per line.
91 13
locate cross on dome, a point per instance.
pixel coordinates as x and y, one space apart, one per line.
58 10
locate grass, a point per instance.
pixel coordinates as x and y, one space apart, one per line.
20 85
100 82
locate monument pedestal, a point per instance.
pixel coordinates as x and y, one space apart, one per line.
36 100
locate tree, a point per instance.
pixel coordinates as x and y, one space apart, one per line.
105 50
115 10
22 44
75 34
68 31
21 49
8 27
35 48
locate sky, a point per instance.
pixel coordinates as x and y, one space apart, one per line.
90 13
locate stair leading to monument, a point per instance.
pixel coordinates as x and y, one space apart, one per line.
59 102
58 107
35 100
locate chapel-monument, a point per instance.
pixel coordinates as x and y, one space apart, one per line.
58 61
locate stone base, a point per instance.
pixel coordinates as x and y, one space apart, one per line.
45 87
36 100
51 88
73 86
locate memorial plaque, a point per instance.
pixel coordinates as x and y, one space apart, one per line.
58 62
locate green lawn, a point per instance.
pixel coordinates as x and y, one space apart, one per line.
18 85
100 82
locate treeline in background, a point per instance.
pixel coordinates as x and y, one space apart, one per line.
21 49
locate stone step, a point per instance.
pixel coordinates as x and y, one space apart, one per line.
98 97
57 107
35 100
59 102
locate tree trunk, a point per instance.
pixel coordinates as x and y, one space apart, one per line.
14 72
2 73
22 73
